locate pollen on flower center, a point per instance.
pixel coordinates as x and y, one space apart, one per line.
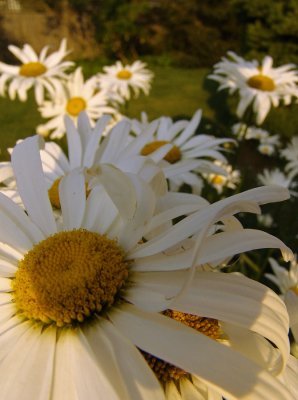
166 372
32 69
69 277
75 105
261 82
124 74
172 156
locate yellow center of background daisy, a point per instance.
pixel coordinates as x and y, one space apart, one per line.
261 82
69 277
32 69
218 180
75 105
166 372
295 289
53 193
172 156
124 74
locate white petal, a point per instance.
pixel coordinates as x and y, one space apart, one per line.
72 194
199 355
75 150
124 365
27 167
100 213
27 368
77 374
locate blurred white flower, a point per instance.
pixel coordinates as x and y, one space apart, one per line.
290 153
277 177
78 95
258 84
42 72
231 179
123 79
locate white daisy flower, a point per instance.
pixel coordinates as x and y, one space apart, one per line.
86 151
219 182
73 332
42 72
259 85
287 282
79 95
123 79
181 153
266 149
276 177
290 153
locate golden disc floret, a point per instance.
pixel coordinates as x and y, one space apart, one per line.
32 69
69 277
261 82
172 156
75 105
124 74
165 371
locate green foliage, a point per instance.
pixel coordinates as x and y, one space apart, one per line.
270 28
191 33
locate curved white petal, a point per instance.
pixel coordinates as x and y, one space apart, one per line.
27 168
195 353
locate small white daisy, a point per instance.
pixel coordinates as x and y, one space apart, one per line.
78 95
231 179
42 72
290 153
182 153
123 79
276 177
259 84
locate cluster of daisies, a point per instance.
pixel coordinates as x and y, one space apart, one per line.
259 87
58 91
115 282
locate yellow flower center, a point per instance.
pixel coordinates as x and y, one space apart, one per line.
69 277
32 69
166 372
218 180
54 193
124 74
75 105
261 82
172 156
295 289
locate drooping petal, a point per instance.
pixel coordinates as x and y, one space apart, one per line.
198 355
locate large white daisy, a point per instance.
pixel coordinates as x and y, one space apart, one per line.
42 72
81 299
183 154
124 79
259 84
78 95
